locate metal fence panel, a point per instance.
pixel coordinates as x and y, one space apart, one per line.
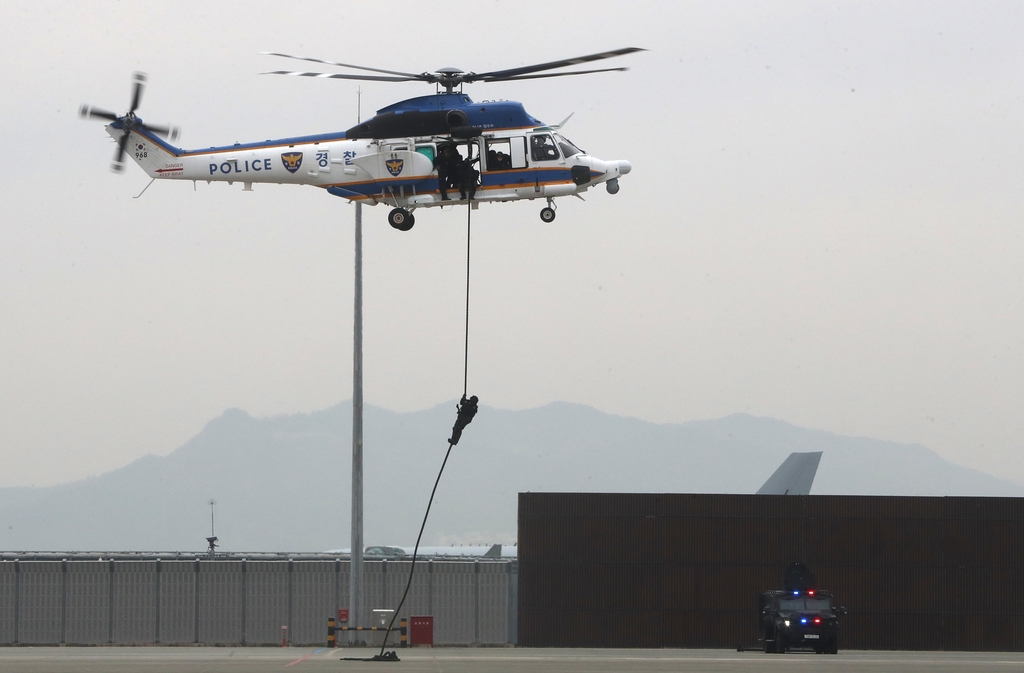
492 603
315 598
41 603
223 602
418 600
379 594
454 596
8 602
87 620
373 593
266 601
221 596
343 586
134 618
513 603
177 602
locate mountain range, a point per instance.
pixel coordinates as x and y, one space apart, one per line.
283 483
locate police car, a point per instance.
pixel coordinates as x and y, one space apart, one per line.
806 618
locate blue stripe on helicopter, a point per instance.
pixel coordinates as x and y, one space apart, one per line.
523 178
283 142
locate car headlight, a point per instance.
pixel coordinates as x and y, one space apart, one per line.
786 622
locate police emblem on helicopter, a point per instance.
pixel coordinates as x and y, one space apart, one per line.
395 166
292 160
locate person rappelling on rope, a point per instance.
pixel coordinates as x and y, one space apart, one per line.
468 178
467 410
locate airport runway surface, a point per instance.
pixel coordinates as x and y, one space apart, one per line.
487 660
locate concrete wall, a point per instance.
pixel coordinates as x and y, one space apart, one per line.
235 601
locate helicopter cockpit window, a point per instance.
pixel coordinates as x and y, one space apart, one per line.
542 148
568 149
506 153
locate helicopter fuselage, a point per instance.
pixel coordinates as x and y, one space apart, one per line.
519 156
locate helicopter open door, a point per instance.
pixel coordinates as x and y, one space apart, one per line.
504 154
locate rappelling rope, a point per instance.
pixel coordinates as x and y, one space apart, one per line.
465 362
391 656
382 656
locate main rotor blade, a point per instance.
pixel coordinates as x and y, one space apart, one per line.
343 65
140 81
550 74
86 112
327 75
513 72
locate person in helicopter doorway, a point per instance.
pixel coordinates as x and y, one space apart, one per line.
469 177
447 163
467 410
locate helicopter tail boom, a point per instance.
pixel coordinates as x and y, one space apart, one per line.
155 156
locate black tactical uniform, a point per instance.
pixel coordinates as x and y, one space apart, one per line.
447 163
467 410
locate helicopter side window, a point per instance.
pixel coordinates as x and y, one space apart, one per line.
427 151
542 148
506 153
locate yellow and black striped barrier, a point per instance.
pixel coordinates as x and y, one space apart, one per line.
333 628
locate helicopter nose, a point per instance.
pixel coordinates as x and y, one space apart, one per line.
624 167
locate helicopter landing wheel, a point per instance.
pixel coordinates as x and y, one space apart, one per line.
401 219
547 214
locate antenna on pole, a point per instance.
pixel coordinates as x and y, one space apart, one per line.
212 540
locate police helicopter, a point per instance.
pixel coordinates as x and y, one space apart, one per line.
430 151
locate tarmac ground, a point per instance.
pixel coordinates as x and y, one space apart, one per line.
488 660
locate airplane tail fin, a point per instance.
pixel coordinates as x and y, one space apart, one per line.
794 476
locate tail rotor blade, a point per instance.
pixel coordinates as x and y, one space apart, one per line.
170 132
140 83
128 122
122 147
86 112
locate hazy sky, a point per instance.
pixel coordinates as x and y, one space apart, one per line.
823 224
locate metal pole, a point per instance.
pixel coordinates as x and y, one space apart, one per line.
355 576
355 584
